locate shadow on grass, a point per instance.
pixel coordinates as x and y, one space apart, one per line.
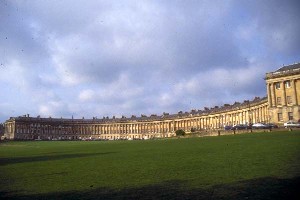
263 188
8 161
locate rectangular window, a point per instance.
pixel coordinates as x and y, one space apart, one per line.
277 85
289 99
280 117
278 100
287 84
290 114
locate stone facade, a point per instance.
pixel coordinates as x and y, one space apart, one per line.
283 90
283 83
29 128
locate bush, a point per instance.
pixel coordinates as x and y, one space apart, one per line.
180 132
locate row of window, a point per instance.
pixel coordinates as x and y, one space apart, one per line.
290 116
287 84
288 100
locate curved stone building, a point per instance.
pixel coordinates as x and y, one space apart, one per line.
280 105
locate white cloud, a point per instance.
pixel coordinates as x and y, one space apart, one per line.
45 110
15 74
53 109
86 95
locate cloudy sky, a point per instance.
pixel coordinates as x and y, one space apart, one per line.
112 58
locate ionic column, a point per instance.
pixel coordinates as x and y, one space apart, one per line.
294 91
186 125
150 127
207 122
260 114
283 94
140 128
166 127
130 128
274 103
133 128
264 113
269 94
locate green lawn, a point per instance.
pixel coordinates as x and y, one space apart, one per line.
248 166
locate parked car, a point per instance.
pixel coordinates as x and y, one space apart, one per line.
227 128
240 127
259 126
270 125
291 124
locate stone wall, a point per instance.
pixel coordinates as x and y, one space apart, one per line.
35 128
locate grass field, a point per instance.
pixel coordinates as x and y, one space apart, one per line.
248 166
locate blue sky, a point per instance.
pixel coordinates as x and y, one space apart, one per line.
114 58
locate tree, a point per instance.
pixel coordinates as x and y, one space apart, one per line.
180 132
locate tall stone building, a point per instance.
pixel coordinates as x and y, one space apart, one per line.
283 90
280 105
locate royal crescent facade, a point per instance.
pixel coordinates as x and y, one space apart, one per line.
280 105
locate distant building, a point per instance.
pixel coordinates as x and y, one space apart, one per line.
280 105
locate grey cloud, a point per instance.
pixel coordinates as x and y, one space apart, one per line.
278 23
64 48
186 45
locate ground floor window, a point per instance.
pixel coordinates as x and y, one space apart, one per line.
289 99
278 100
290 114
280 117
